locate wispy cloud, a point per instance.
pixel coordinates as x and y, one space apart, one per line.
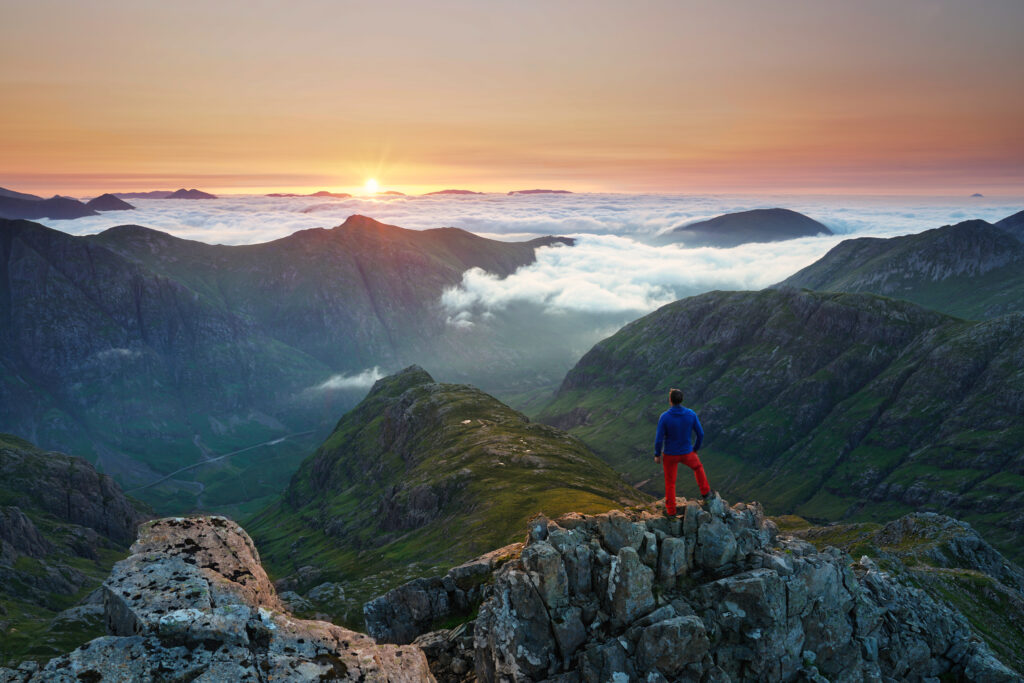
364 380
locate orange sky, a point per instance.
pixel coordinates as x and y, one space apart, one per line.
917 96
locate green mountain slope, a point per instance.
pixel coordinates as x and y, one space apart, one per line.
425 475
62 527
835 406
973 269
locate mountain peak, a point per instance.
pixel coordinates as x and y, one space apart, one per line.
400 382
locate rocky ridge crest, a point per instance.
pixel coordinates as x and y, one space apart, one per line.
714 594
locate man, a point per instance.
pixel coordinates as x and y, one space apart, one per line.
674 429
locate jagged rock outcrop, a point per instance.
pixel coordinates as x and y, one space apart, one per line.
193 603
714 594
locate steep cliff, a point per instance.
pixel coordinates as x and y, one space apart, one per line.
62 527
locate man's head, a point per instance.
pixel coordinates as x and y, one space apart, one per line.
675 397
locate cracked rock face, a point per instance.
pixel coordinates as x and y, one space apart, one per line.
715 596
193 603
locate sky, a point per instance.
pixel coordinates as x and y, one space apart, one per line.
788 96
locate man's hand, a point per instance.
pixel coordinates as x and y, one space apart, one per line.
657 459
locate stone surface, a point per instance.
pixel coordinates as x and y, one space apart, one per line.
727 599
192 603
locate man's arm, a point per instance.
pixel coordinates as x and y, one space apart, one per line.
659 438
700 433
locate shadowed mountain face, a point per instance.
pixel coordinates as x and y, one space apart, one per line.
422 474
1013 224
4 192
733 229
148 353
62 527
53 208
108 202
354 296
832 405
972 269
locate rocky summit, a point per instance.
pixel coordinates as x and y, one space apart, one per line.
192 603
713 594
716 593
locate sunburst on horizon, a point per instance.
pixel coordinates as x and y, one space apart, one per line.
371 186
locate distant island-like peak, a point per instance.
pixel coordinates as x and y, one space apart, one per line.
757 225
108 202
190 194
539 192
428 194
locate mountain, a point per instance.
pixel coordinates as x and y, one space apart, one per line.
101 357
393 193
108 202
321 193
147 353
833 406
1013 224
190 194
18 195
354 296
419 475
733 229
151 194
428 194
972 269
62 527
54 208
721 594
539 192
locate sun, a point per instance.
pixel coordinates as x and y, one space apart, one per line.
371 186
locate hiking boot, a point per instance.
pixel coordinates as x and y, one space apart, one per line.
708 496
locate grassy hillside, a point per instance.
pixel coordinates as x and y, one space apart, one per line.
834 406
972 270
421 476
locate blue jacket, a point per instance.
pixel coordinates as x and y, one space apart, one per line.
674 427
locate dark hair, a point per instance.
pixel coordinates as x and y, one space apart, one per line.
676 396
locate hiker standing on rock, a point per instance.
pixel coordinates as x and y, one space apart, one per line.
674 429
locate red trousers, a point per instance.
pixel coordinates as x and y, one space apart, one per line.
670 463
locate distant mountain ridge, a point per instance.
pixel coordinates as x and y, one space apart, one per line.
972 269
55 208
4 192
190 194
733 229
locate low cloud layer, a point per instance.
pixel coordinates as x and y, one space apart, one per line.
611 274
248 220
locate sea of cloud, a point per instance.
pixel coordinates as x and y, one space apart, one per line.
610 270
